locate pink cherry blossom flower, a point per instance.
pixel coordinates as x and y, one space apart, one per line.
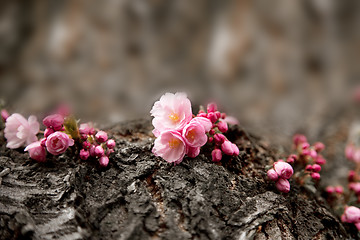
171 146
54 121
193 151
283 185
36 151
283 169
58 142
4 114
216 155
351 215
194 134
206 123
171 112
19 131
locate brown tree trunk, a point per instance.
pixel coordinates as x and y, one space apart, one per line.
140 196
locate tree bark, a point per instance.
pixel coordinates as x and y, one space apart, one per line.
140 196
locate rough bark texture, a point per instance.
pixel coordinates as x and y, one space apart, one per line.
140 196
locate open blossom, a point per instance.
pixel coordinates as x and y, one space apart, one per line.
194 132
19 131
171 146
171 112
36 151
57 143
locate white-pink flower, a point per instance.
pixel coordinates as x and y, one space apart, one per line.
36 151
194 133
171 112
19 131
170 145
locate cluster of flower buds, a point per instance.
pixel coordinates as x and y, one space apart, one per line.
309 156
179 133
280 173
95 144
216 134
334 190
351 215
61 132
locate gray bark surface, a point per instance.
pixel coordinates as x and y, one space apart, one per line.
140 196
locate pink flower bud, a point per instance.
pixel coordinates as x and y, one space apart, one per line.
84 129
63 110
212 132
222 126
211 139
330 189
349 151
320 160
92 131
316 168
193 151
339 189
216 155
92 150
36 151
351 176
212 117
319 146
315 175
202 115
110 143
86 145
356 156
355 187
54 121
211 107
227 148
218 114
357 225
48 131
305 152
299 138
99 151
101 136
84 154
313 153
4 114
283 185
58 142
104 161
219 138
291 158
308 168
223 115
305 145
351 215
109 151
43 142
283 169
235 149
272 175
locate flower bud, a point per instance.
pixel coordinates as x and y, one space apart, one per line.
4 114
218 114
315 175
101 136
272 175
104 161
63 110
86 145
305 145
212 132
235 149
110 143
210 139
339 189
355 187
351 176
313 153
216 155
316 167
84 154
283 185
299 138
92 150
54 121
356 156
320 160
212 117
308 168
222 126
193 151
211 107
305 152
319 146
349 151
351 215
223 115
330 189
99 151
283 169
84 129
43 142
48 131
36 151
109 151
202 115
227 148
219 138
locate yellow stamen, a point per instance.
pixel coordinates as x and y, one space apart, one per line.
191 135
174 143
174 117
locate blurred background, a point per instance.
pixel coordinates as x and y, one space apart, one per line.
281 67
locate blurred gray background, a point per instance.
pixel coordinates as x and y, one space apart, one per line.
280 66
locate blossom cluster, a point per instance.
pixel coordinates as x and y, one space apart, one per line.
307 160
179 133
61 132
